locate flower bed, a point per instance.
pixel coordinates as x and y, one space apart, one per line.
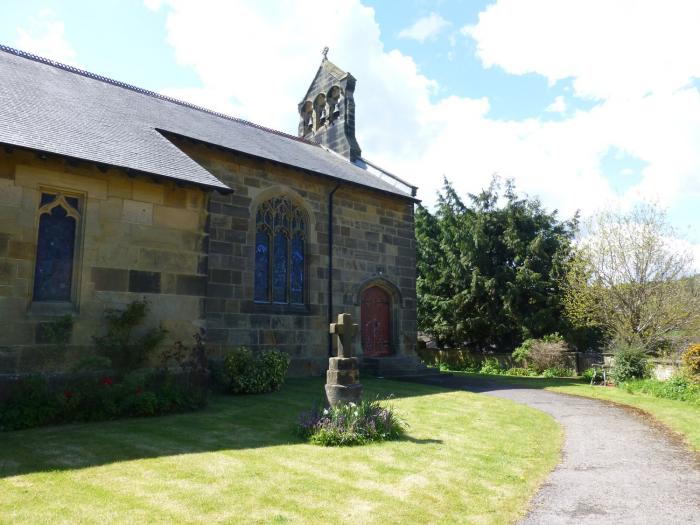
350 424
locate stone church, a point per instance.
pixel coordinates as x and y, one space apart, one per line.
110 193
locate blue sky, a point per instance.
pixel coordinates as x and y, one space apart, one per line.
585 104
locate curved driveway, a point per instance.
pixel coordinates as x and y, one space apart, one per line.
615 467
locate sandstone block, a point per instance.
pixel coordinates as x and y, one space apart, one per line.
343 394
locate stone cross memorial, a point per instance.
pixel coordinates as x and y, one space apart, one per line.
342 378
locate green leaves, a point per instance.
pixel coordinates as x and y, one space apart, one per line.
488 271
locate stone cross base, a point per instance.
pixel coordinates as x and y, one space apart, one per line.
342 381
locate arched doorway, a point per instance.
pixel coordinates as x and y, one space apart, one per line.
375 316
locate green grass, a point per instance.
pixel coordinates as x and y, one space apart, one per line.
679 416
466 459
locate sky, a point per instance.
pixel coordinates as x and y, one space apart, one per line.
585 104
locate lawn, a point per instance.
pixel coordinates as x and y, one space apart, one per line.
681 417
466 459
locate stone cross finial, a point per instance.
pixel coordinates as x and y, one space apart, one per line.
325 52
346 331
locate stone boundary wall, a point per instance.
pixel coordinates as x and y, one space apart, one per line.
579 361
461 356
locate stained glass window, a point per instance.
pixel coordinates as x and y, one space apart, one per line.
279 268
279 252
297 277
53 274
262 266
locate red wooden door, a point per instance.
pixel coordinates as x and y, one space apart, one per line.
376 322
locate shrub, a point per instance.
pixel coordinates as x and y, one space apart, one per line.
521 354
192 361
246 373
691 359
541 354
588 375
93 363
350 424
460 362
126 350
679 387
32 403
557 371
518 372
630 363
490 366
57 332
544 355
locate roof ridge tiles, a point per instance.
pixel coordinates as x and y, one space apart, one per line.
143 91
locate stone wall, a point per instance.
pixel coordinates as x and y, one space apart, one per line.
374 243
137 238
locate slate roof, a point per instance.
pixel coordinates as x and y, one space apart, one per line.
54 108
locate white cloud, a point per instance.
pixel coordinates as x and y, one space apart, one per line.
424 28
45 37
557 106
261 70
625 48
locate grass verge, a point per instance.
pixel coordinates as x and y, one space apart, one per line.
466 459
679 416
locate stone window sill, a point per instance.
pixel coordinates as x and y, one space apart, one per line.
281 309
52 309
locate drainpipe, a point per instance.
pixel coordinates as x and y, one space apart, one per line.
330 266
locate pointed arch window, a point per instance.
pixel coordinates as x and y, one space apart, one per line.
59 217
280 250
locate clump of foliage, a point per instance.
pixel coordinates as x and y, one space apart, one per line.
516 371
248 373
490 366
630 362
92 363
588 375
489 270
548 353
691 359
350 424
522 354
33 403
463 362
557 371
192 361
629 279
679 387
57 332
126 349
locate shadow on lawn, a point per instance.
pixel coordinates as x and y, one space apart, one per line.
228 423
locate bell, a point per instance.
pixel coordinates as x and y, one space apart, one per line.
336 110
324 115
310 124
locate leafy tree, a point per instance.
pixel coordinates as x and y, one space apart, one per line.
489 270
630 279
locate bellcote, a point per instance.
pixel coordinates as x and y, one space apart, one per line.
327 112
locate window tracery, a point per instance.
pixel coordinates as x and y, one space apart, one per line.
280 244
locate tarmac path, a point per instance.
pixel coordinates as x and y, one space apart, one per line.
617 467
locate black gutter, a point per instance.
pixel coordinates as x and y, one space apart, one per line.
330 266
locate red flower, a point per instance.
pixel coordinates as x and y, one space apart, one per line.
107 381
67 394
